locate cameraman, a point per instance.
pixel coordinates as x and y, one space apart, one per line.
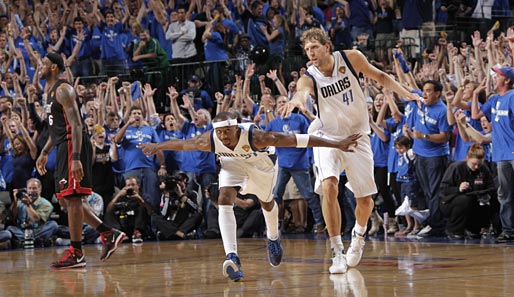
247 209
179 213
30 210
128 210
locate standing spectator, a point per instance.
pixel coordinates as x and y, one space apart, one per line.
362 17
499 109
154 57
182 33
113 43
430 134
104 154
340 29
295 163
199 97
83 64
133 133
215 40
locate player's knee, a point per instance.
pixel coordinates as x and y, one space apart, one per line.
366 202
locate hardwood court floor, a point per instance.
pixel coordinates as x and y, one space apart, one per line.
193 268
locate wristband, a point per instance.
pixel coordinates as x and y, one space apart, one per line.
302 140
75 156
275 80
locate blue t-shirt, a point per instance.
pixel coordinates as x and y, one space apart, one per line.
172 159
361 13
112 42
461 146
431 120
197 161
380 149
133 156
215 48
6 163
278 45
406 170
395 130
291 157
500 111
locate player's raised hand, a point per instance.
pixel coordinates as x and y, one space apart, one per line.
149 149
349 141
286 110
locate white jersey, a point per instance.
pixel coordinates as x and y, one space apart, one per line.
244 150
341 104
245 166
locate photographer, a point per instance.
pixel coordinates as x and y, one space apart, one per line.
31 211
179 213
128 210
249 218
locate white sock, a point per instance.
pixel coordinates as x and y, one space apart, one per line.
228 228
271 218
336 243
361 230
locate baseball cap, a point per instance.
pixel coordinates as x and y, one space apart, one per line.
506 71
195 78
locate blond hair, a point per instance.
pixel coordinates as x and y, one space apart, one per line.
316 34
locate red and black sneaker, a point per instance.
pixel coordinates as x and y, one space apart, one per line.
72 259
111 240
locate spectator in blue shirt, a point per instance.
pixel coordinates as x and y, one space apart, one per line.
133 133
430 133
499 109
82 66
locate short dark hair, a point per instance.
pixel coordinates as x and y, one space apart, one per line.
403 141
438 87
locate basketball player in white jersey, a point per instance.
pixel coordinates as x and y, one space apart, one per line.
332 79
245 167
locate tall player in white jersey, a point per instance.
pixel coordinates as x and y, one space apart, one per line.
245 167
332 79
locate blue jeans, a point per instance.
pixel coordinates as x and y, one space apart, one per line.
506 195
430 171
44 232
302 179
149 184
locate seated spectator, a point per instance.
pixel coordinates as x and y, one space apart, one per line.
247 210
466 191
179 215
128 211
31 211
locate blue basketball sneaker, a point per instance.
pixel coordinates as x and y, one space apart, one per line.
232 267
275 252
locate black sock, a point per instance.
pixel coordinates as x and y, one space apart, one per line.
77 245
102 228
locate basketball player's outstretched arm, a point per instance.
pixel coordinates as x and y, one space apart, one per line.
199 143
361 65
304 88
262 139
66 96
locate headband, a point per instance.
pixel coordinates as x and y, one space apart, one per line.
225 123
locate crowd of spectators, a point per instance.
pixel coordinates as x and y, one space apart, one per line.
245 48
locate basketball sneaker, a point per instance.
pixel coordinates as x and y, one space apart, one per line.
275 252
111 240
232 267
72 259
338 262
354 253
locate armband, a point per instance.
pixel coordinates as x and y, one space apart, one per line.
302 140
75 156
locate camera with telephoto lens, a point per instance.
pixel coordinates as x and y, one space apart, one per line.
170 183
130 192
21 193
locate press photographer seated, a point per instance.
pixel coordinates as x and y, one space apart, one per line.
31 217
128 211
247 209
466 191
178 216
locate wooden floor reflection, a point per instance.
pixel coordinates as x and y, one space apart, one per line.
193 268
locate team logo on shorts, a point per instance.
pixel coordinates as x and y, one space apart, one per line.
342 69
62 184
246 147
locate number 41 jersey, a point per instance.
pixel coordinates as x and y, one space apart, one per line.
341 104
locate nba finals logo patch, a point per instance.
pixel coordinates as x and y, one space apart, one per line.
52 94
62 184
246 148
342 69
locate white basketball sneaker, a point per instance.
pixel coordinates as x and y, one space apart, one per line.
354 253
338 262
